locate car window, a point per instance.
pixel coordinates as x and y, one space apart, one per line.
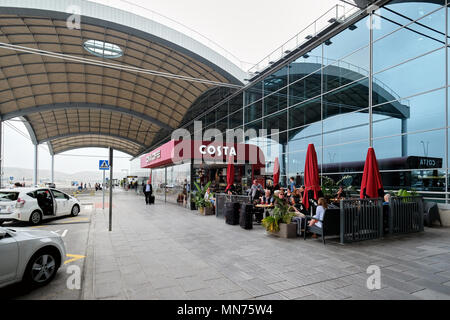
58 194
31 194
43 193
8 196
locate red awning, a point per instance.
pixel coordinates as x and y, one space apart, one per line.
371 184
230 174
311 175
276 172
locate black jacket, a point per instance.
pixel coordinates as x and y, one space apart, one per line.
145 187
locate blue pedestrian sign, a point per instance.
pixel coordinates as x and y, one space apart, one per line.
103 165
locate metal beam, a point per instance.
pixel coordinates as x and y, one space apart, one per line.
29 129
103 134
64 106
95 146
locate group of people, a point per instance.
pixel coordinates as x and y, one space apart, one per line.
293 197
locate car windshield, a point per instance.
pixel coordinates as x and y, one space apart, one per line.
8 196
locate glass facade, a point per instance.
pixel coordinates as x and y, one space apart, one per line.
384 86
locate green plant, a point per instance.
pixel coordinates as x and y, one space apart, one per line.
282 213
199 197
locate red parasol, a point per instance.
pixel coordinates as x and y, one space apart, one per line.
230 174
371 185
276 172
311 175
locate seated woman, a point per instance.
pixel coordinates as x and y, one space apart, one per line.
209 196
320 211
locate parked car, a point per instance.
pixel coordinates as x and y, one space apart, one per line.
50 185
36 204
32 256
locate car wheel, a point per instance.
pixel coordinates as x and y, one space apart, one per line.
1 222
75 210
35 218
42 267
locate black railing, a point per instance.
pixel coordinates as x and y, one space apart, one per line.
405 214
361 219
221 199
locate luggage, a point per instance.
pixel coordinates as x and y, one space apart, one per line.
152 199
232 213
246 216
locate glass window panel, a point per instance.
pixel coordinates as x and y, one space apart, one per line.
305 89
422 112
345 128
425 144
296 164
347 99
253 94
300 138
419 75
342 158
253 112
235 120
275 102
308 112
419 180
424 36
307 64
276 81
276 121
351 39
257 125
350 69
221 112
236 103
401 12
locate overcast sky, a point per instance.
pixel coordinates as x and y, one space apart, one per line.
248 29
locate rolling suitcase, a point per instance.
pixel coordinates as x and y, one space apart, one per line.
246 216
232 213
152 199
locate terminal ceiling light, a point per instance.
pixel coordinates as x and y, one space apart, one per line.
103 49
352 27
306 56
328 42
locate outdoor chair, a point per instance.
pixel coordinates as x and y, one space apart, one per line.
431 214
331 224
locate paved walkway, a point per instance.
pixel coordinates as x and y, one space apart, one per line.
167 252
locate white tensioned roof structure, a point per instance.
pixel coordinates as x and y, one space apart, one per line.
69 104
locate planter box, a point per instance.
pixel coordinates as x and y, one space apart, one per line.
206 211
287 231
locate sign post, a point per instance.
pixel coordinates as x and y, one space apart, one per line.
110 186
104 166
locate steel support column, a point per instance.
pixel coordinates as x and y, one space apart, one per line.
52 174
35 172
110 186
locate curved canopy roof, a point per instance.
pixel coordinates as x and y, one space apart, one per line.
70 104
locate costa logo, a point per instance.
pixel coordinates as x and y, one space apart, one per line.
428 162
211 150
153 156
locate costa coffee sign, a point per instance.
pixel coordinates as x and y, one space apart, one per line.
153 156
217 150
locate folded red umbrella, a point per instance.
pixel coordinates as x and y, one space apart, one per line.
371 184
311 175
230 174
276 172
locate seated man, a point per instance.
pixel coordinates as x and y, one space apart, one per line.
267 198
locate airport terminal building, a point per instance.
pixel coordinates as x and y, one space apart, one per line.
375 75
348 87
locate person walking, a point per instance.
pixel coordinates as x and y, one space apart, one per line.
148 190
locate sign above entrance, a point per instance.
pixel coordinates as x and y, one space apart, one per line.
190 151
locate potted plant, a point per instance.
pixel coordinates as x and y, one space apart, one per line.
280 222
204 207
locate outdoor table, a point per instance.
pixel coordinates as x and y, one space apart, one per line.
266 208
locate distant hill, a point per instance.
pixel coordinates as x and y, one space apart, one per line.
21 174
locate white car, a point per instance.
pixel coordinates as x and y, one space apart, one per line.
36 204
32 256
